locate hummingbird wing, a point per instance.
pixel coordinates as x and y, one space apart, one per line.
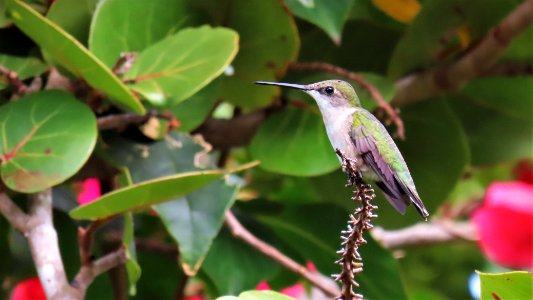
379 152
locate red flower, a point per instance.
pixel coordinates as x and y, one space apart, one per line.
89 190
505 224
28 289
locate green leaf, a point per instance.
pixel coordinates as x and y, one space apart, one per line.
166 77
25 67
257 295
268 44
46 138
145 194
135 25
194 221
72 55
294 142
435 150
193 112
372 55
318 242
248 266
496 115
132 266
328 15
74 16
509 285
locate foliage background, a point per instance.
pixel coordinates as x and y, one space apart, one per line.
196 79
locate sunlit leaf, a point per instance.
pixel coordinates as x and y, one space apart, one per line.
132 26
509 285
166 77
71 54
257 295
46 137
328 15
145 194
294 142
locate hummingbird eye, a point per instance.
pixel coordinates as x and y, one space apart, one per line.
329 90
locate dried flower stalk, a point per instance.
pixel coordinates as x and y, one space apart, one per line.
351 261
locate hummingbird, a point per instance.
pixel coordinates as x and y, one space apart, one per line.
361 137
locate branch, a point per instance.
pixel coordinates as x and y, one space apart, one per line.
14 215
371 89
88 272
121 121
44 246
425 234
243 234
471 66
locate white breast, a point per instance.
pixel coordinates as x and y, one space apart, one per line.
338 121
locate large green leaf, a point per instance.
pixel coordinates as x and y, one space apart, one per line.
435 150
496 115
366 47
194 219
328 15
74 16
132 26
509 285
166 77
145 194
25 67
234 266
294 142
46 137
318 242
267 44
71 54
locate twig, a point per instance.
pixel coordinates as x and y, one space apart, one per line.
370 88
472 65
243 234
425 234
351 261
120 121
13 79
85 240
14 215
90 271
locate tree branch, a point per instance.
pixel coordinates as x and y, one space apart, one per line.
121 121
471 66
243 234
425 234
44 246
88 272
14 215
371 89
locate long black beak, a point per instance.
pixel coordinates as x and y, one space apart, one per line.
291 85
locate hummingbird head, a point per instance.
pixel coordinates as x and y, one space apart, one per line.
328 93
